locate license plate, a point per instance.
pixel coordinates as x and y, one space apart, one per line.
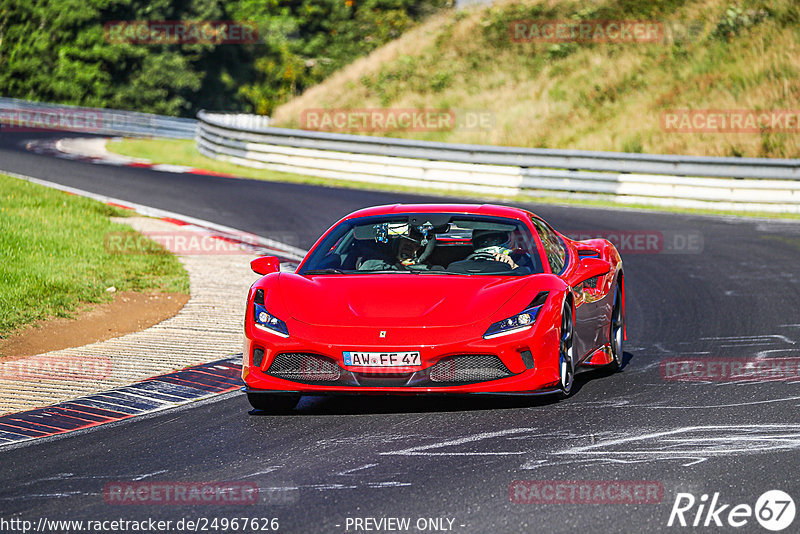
382 359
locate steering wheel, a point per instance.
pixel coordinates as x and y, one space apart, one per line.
486 255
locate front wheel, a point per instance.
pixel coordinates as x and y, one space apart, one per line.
273 403
565 366
617 333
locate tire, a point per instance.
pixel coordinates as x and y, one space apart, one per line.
617 331
273 403
566 372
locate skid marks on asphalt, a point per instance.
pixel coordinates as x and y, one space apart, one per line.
780 344
534 448
687 445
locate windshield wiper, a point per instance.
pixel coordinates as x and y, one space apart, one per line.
324 271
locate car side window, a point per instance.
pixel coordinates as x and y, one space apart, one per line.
553 247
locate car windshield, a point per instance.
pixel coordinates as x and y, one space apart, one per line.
427 243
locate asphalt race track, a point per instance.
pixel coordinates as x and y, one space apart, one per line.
734 295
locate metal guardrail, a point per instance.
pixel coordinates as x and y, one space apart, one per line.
22 115
746 184
241 121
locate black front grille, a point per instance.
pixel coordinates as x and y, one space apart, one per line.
462 369
468 368
304 367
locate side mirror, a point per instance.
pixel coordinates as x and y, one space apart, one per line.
589 268
265 265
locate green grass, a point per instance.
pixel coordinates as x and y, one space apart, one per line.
53 257
184 152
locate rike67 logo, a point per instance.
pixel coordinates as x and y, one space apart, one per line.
774 510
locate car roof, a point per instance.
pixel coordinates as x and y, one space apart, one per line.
472 209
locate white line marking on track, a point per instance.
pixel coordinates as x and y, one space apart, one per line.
351 471
424 450
745 339
710 406
266 471
705 439
148 475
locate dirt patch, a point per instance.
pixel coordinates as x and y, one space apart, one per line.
128 312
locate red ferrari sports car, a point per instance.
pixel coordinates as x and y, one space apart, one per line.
433 299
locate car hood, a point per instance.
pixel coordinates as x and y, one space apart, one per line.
395 300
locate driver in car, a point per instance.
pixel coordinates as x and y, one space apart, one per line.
490 248
408 253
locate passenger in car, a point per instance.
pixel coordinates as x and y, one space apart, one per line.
491 254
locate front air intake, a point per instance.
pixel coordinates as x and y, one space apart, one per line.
258 357
468 369
304 367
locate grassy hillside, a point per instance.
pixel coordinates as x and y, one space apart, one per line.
715 54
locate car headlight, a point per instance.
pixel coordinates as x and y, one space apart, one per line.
517 323
267 321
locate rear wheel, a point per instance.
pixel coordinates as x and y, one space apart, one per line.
565 367
273 403
617 334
